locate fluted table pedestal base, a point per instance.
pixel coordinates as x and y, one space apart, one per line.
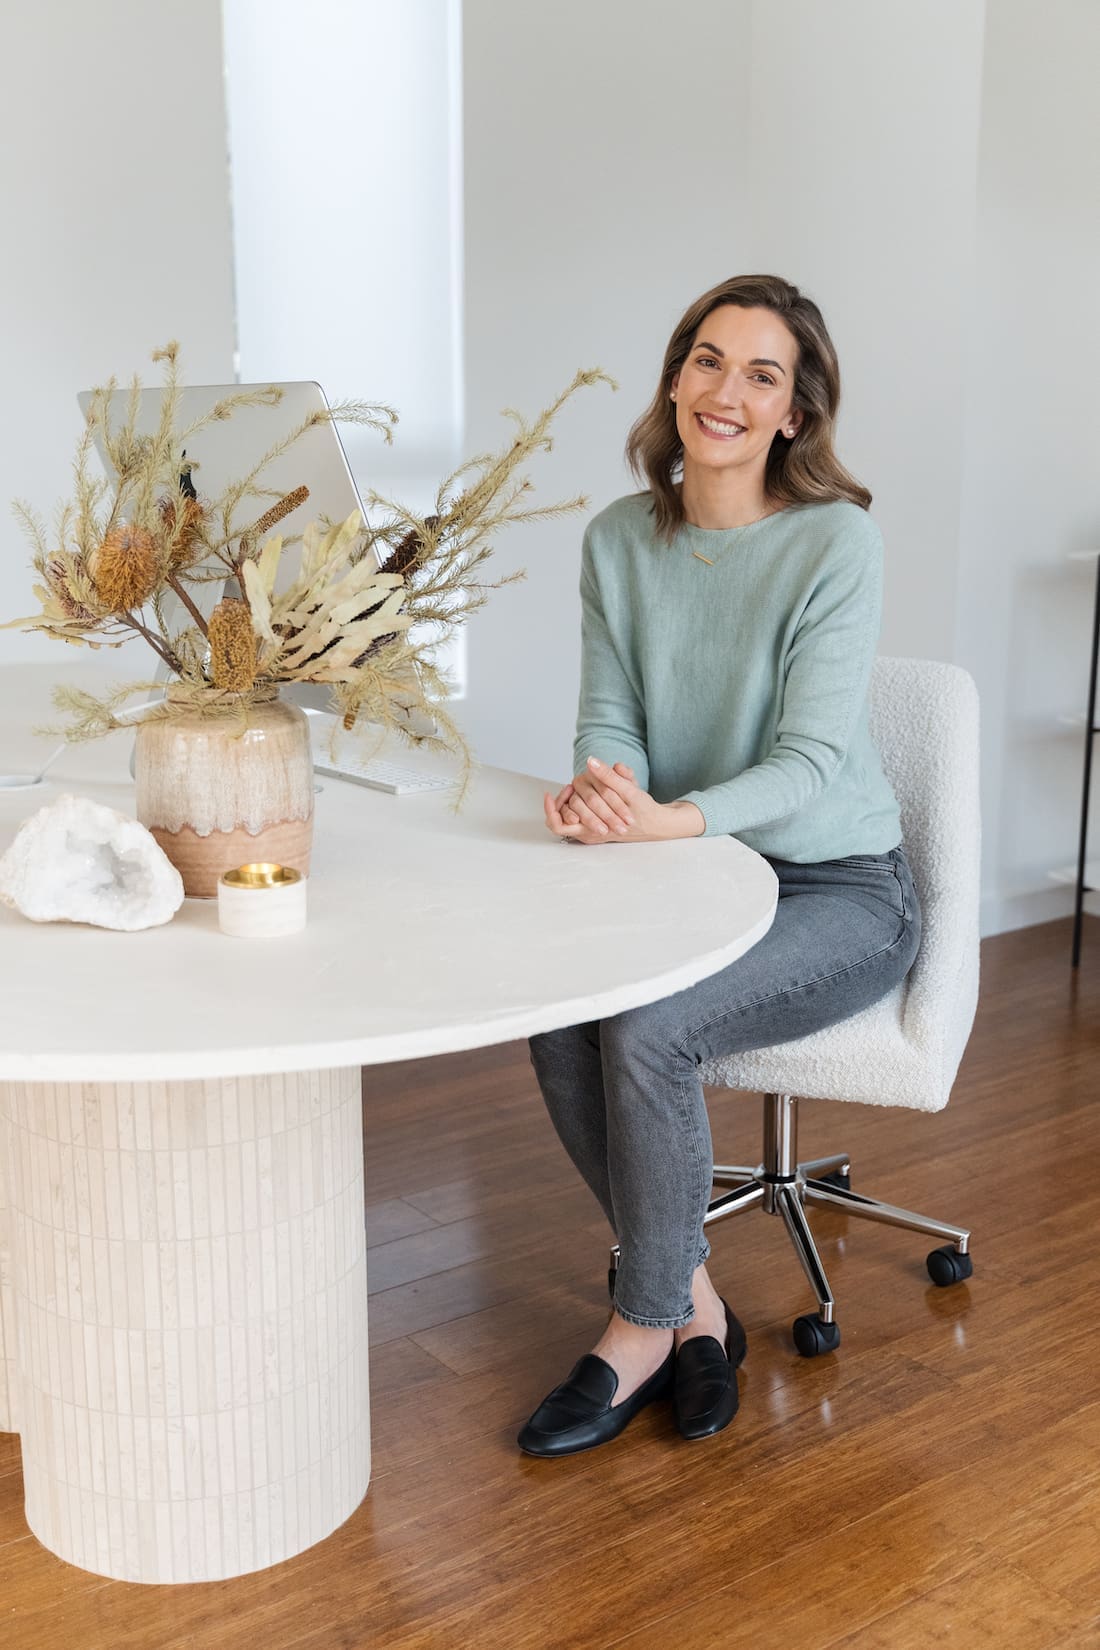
183 1318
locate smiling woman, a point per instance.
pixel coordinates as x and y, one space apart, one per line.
764 355
730 620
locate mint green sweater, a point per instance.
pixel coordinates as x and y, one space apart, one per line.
742 686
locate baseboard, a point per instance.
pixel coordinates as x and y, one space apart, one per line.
1000 914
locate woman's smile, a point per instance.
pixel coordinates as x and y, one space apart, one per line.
720 429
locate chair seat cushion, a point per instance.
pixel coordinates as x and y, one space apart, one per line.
866 1058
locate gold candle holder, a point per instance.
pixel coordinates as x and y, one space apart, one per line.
261 901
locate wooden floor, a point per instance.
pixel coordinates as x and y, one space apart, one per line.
935 1482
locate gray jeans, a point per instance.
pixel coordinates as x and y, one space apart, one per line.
624 1093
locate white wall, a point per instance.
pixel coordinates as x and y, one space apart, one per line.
1032 434
113 177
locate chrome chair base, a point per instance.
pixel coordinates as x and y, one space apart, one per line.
782 1186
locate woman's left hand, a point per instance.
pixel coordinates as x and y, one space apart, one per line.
568 816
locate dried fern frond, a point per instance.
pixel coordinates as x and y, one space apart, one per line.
271 396
90 717
371 415
32 525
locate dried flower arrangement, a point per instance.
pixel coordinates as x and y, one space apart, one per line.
368 607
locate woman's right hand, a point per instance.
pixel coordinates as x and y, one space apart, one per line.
583 802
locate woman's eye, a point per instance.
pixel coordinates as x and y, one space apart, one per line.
763 378
706 361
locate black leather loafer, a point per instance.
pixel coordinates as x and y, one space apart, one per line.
579 1415
706 1395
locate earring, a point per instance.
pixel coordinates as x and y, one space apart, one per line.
672 395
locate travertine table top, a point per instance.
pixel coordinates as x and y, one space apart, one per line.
428 932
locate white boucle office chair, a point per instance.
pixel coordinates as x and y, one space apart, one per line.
905 1050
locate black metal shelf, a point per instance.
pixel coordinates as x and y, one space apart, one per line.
1086 781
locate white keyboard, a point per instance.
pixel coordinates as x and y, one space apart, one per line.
377 772
381 775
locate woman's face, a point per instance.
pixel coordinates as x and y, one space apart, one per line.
734 389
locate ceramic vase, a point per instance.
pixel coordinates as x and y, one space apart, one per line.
223 783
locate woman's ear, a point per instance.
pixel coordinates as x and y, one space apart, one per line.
672 386
793 422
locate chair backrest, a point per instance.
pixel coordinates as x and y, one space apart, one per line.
924 721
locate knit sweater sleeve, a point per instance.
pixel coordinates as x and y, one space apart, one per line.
611 723
826 678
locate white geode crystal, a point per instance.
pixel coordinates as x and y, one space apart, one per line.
77 861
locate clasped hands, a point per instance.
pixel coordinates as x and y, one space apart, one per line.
606 804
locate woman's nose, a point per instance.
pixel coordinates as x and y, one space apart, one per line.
730 389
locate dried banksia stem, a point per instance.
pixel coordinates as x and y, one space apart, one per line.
404 555
183 521
58 575
125 573
232 646
271 518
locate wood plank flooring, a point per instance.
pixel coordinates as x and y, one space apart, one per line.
936 1482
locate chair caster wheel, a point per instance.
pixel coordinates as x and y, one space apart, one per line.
844 1181
946 1266
812 1336
611 1270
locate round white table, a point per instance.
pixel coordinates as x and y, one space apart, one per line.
183 1294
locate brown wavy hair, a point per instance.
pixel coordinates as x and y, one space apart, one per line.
802 469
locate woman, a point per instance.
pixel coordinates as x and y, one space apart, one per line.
730 620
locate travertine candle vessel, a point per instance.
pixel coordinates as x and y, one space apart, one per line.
261 902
